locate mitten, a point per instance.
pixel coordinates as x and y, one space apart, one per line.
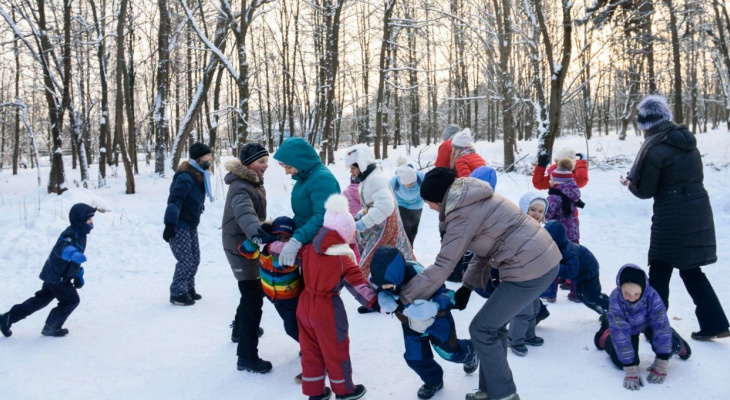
580 156
248 249
169 232
78 257
288 254
461 298
543 159
79 279
658 371
421 315
263 238
388 302
632 380
360 226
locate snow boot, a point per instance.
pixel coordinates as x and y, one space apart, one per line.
427 391
5 324
535 341
298 379
478 395
257 365
365 310
680 347
324 396
55 332
601 336
472 364
182 300
542 314
194 295
520 349
704 336
356 394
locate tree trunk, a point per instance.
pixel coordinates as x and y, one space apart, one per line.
381 116
119 106
678 115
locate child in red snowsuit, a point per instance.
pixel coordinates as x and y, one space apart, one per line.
328 264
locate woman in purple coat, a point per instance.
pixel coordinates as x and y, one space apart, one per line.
635 308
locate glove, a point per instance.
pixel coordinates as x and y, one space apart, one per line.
358 217
388 302
263 238
360 226
543 159
632 380
169 232
658 371
580 156
288 254
79 279
461 298
78 258
421 314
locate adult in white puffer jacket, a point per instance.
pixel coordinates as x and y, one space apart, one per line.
378 222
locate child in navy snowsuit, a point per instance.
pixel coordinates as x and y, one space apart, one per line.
635 308
424 322
581 267
62 274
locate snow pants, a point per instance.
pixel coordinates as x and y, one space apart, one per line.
65 293
325 344
442 336
186 249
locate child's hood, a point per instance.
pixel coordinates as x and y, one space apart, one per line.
556 229
634 274
388 266
528 198
79 214
325 239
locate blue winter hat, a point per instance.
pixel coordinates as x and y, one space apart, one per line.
387 266
487 174
283 225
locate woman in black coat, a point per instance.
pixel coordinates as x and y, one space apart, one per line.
668 168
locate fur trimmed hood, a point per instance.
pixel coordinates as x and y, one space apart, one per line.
240 171
186 167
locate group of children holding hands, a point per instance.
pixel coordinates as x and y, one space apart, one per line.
306 295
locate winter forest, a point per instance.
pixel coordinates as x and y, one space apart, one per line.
119 81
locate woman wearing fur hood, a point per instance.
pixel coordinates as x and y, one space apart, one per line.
378 223
243 213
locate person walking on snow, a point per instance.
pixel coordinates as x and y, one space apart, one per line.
185 204
62 275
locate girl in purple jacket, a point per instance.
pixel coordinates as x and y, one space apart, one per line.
635 308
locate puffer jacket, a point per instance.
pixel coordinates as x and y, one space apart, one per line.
186 201
474 218
468 163
683 227
243 213
443 156
578 263
377 198
626 319
314 185
58 267
555 209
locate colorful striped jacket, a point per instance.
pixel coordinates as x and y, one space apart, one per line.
278 282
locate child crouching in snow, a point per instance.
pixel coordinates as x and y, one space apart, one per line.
281 284
635 308
328 264
424 322
62 274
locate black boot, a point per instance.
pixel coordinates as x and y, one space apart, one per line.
356 394
182 300
324 396
427 391
194 295
257 365
5 324
55 332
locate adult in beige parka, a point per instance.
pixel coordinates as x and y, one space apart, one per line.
474 218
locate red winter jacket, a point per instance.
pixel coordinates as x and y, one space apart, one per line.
466 164
541 181
443 159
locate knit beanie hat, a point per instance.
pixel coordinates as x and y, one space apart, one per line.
337 216
487 174
406 174
564 172
462 139
283 225
449 131
359 154
436 183
653 110
252 152
631 273
198 150
565 152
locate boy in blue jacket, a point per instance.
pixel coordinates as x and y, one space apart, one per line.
62 274
424 322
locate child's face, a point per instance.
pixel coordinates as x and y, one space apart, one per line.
631 292
284 237
537 211
90 221
354 171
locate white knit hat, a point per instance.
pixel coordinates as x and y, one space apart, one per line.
359 154
565 152
337 217
462 139
406 174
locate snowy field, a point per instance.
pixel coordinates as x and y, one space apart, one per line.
127 341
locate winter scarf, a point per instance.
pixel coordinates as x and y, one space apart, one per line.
566 201
653 138
206 177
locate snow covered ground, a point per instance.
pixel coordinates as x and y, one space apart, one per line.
127 341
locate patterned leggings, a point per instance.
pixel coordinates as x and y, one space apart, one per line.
186 249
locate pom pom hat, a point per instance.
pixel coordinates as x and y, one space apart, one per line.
462 139
653 110
337 216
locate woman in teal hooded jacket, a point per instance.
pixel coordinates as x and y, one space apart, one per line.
314 184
